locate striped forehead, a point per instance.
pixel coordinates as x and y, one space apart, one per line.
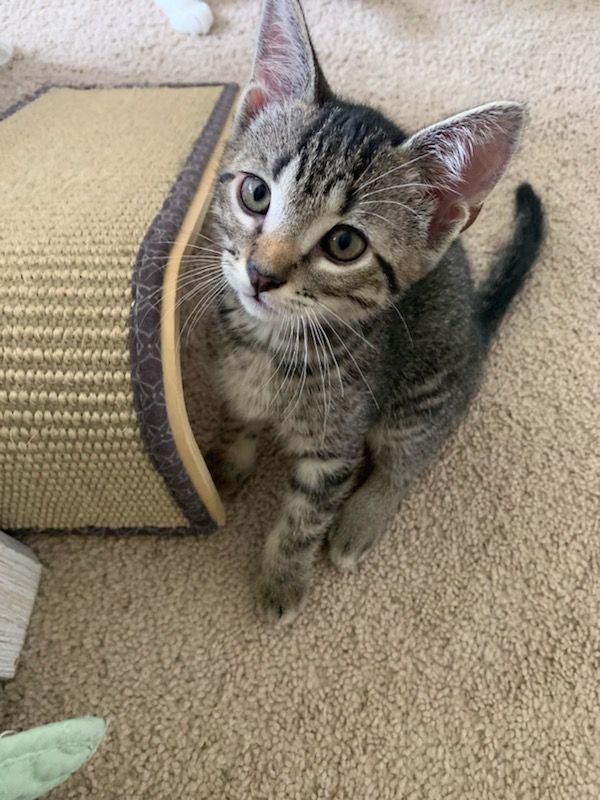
332 152
294 211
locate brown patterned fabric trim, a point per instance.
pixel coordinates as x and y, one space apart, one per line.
24 101
29 98
150 530
144 341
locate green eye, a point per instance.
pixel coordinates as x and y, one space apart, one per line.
343 243
255 195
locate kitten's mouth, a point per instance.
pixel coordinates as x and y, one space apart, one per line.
258 305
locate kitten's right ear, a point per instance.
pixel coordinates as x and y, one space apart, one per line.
285 64
461 159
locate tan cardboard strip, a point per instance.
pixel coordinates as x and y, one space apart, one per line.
183 436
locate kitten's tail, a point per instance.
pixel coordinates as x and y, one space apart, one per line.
512 265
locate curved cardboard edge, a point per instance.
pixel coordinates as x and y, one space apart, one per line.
156 367
170 342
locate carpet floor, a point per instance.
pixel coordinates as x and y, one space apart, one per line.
462 660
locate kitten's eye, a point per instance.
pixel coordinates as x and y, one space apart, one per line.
343 243
255 195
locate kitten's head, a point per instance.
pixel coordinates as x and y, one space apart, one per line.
326 208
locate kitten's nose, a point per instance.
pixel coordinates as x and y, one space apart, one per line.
261 282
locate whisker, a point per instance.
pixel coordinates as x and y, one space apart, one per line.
191 246
198 269
366 382
208 238
156 301
188 279
327 395
200 308
188 296
198 272
203 286
191 240
375 214
344 322
393 169
333 356
391 203
201 248
293 352
281 359
311 328
406 328
195 248
398 186
296 352
203 306
304 371
195 258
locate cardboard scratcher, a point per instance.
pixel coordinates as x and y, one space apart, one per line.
103 191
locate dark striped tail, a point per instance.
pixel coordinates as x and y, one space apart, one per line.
513 263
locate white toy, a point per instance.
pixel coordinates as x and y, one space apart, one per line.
187 16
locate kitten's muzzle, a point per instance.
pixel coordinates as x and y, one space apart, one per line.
260 281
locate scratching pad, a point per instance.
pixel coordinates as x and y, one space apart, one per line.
103 190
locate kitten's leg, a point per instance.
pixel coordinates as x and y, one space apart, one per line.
364 518
233 460
316 489
398 457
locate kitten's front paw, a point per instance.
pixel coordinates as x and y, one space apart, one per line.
281 600
349 540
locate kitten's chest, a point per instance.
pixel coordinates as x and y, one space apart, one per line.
253 384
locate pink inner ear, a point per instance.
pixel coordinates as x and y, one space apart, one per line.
255 100
450 209
284 67
275 62
465 189
483 169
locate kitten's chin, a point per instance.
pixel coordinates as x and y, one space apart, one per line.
261 309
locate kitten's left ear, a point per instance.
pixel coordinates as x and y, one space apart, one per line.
285 64
462 159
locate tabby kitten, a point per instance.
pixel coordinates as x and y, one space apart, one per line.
347 320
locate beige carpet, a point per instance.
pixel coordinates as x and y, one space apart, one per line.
463 660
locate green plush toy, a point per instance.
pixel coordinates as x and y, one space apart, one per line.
35 761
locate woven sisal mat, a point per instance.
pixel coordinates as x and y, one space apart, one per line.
106 187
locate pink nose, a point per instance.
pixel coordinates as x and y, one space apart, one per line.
261 282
